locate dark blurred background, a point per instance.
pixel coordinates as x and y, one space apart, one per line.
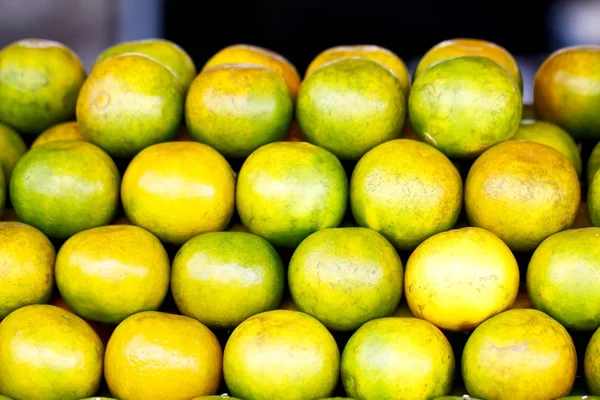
300 29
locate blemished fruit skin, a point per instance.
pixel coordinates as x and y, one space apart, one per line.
288 190
49 353
370 52
377 362
350 106
65 187
130 102
63 131
551 135
248 54
13 147
593 163
407 191
345 277
155 356
39 84
238 108
567 90
26 267
591 364
458 279
281 354
164 51
470 47
562 276
223 278
178 190
534 352
523 192
108 273
465 105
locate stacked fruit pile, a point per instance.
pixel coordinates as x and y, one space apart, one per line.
171 235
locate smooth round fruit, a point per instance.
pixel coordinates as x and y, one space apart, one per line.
593 200
128 103
49 353
345 277
39 84
404 358
350 106
238 108
593 163
178 190
551 135
281 354
26 267
370 52
562 276
56 133
592 364
156 356
109 273
288 190
164 51
523 192
65 187
534 353
247 54
470 47
567 90
407 191
13 147
465 105
2 397
458 279
223 278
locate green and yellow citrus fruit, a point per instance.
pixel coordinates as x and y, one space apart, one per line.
561 278
465 105
63 131
65 187
39 84
551 135
405 358
593 163
345 277
49 353
591 364
370 52
523 192
288 190
407 191
108 273
156 356
470 47
248 54
165 51
519 354
238 108
223 278
567 90
13 148
178 190
128 103
350 106
26 267
281 354
458 279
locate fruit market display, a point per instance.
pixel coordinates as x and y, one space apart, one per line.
249 232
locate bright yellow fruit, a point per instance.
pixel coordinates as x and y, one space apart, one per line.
523 192
13 147
519 355
178 190
109 273
26 267
458 279
48 353
281 355
157 356
591 363
62 131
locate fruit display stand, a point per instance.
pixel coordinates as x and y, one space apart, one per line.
244 231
